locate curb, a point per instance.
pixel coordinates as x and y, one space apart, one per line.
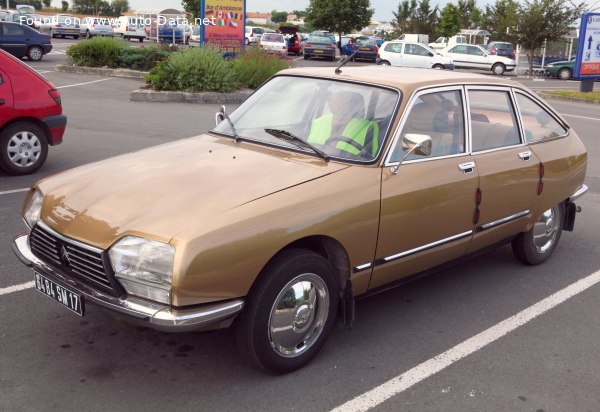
566 98
102 71
236 97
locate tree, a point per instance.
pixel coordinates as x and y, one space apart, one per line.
403 17
450 21
339 16
279 16
64 5
47 3
471 16
539 21
500 19
37 4
192 6
119 7
425 19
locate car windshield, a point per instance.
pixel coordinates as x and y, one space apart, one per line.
320 40
273 38
347 121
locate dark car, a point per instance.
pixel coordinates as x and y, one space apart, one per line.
367 48
501 48
562 70
30 117
319 46
22 41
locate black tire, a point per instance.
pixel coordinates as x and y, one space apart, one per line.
306 56
498 69
52 34
274 301
438 67
75 37
35 53
23 148
536 245
247 42
88 35
564 74
384 63
141 40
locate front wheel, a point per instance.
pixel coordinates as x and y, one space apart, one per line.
384 63
438 67
498 69
564 74
23 148
536 245
289 313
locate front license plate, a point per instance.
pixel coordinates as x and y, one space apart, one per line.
318 51
59 293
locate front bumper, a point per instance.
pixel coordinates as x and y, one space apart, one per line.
157 316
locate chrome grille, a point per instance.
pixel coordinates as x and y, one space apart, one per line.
69 256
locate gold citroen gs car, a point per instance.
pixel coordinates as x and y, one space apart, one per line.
321 187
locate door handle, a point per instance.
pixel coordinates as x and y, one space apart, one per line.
468 167
525 156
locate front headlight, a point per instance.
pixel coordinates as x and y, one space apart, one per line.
33 208
144 267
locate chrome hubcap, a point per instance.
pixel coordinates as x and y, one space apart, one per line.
298 315
545 230
36 54
24 149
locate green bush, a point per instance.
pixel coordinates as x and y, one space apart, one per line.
96 52
254 66
193 70
144 59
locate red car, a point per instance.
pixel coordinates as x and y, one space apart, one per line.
31 117
293 38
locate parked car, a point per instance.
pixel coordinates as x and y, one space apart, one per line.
31 117
319 46
194 39
414 38
445 42
22 41
96 26
274 43
253 34
129 27
469 56
62 26
501 48
561 70
317 189
398 53
366 48
293 39
165 33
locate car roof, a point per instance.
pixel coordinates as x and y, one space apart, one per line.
403 78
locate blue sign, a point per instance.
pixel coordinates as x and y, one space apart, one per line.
587 61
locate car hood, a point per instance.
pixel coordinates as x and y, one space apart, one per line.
155 192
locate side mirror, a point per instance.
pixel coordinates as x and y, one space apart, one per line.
430 54
419 144
220 115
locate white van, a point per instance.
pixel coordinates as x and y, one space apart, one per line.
444 42
414 38
130 27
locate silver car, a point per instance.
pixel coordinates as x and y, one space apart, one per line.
96 26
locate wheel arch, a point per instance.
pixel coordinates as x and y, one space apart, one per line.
33 120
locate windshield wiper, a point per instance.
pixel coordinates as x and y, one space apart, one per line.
287 136
223 112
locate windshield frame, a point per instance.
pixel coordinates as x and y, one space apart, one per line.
293 148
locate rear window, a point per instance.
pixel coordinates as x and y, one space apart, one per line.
319 39
275 38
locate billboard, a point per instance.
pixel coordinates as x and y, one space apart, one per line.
587 63
227 27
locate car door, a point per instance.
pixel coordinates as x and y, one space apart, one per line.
13 39
509 171
459 55
393 53
478 59
427 202
6 97
416 55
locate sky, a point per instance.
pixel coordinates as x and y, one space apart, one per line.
383 8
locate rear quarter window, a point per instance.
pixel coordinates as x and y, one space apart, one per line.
538 123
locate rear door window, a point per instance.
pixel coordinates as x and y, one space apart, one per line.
493 120
538 123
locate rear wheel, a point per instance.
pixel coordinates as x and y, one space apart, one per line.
23 148
536 245
438 67
498 69
289 313
35 53
88 35
306 56
384 63
564 73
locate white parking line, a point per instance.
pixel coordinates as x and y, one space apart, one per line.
10 192
82 84
404 381
17 288
581 117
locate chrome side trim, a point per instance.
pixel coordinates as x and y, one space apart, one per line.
155 315
361 267
426 247
503 220
580 192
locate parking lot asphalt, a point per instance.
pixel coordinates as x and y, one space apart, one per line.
52 359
